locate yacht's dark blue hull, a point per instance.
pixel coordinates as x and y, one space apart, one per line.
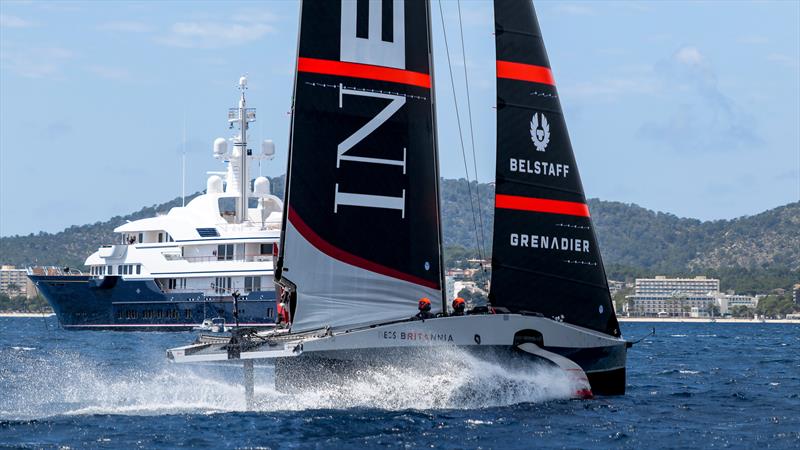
84 302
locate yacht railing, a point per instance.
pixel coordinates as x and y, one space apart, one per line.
53 271
246 258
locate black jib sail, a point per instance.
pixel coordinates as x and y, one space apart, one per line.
545 254
361 241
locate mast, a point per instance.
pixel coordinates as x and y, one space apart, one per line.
242 116
443 280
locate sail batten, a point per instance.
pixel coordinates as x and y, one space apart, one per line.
546 258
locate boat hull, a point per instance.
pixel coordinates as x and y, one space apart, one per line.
83 302
307 359
307 371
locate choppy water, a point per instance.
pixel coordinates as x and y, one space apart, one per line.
689 386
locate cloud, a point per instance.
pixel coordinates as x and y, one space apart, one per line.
9 21
612 88
213 35
573 9
56 130
689 56
34 62
254 15
703 118
110 73
753 39
126 27
783 60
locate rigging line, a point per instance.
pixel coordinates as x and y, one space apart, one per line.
460 133
472 137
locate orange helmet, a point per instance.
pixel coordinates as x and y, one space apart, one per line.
424 304
458 302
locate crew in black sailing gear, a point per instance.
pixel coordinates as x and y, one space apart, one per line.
424 309
459 306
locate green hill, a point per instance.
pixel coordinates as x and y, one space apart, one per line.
749 253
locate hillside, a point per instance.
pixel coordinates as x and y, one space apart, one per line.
634 240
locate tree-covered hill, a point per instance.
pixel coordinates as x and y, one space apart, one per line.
634 240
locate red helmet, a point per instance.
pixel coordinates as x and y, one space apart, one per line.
458 302
424 304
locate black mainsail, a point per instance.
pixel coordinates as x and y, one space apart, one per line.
361 239
545 254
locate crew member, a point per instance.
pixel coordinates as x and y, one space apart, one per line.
459 306
424 309
283 313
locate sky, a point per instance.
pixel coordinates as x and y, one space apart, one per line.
691 108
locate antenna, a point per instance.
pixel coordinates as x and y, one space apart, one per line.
183 164
242 116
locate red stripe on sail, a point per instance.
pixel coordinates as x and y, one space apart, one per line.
349 258
525 72
542 205
355 70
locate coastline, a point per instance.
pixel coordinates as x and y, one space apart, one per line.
27 314
703 320
621 319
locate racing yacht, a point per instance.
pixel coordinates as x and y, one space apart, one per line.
178 270
361 241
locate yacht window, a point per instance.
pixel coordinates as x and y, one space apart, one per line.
188 314
160 237
269 312
109 269
138 269
252 284
141 237
225 252
119 270
222 285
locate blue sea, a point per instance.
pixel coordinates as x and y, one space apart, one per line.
714 385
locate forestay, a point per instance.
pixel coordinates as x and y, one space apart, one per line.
361 243
545 254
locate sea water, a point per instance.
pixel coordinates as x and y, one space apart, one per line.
690 385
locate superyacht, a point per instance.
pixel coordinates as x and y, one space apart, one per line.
196 264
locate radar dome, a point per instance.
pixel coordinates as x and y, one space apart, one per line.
220 148
261 187
268 149
214 185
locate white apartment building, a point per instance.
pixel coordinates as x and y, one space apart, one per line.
672 296
615 286
727 302
14 282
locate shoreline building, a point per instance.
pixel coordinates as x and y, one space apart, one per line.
662 296
727 302
15 282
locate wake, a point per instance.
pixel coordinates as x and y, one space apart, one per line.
68 384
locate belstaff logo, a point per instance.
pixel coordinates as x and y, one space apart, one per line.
540 131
